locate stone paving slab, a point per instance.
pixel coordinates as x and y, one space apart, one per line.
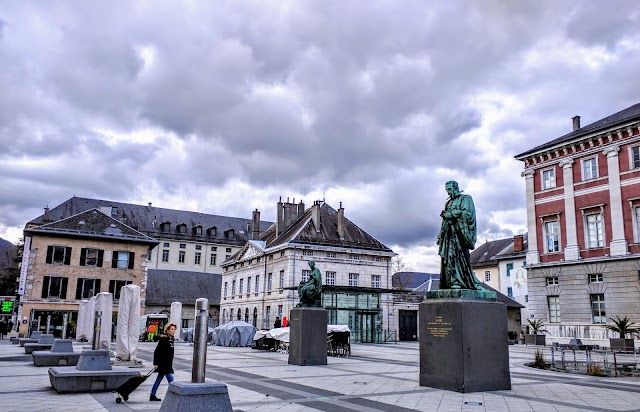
375 378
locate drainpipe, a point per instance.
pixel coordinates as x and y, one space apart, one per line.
388 303
264 287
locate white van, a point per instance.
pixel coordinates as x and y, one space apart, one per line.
156 319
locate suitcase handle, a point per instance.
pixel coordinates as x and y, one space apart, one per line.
150 372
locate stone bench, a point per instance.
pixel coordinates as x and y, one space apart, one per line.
61 354
45 342
33 339
93 373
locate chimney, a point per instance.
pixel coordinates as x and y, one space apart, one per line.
315 215
300 209
149 208
518 243
576 122
47 214
279 218
290 214
341 222
255 225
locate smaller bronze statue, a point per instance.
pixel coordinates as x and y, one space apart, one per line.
457 236
310 291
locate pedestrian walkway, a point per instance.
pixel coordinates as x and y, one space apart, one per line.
374 378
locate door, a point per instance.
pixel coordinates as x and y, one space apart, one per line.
366 324
408 325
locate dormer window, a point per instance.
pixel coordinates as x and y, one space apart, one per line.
212 231
198 230
229 233
165 227
182 228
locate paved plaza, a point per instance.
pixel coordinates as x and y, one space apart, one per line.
374 378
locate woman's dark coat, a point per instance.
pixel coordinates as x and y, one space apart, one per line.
163 355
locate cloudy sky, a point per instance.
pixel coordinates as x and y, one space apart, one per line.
223 107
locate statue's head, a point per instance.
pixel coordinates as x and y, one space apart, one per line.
452 188
312 264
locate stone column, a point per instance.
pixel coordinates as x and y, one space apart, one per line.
618 244
533 255
571 250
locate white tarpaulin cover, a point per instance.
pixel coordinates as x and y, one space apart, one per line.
104 304
128 323
176 317
234 333
282 334
84 328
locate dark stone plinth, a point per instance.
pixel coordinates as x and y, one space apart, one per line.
93 373
66 379
187 397
36 335
308 336
61 354
48 358
45 342
62 345
462 293
94 360
464 345
15 340
24 341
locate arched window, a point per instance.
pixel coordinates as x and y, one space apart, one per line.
246 315
224 315
239 314
255 317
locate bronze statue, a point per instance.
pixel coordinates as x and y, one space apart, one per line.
457 236
310 291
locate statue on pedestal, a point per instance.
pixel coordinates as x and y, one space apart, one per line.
310 292
457 236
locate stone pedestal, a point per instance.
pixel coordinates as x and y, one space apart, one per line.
463 341
308 336
187 397
93 373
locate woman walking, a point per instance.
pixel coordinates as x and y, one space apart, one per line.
163 358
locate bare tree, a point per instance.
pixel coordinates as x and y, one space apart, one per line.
401 273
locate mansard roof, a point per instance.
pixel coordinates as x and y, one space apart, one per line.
484 255
610 122
304 231
148 220
92 224
161 288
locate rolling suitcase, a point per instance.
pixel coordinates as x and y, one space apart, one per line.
131 385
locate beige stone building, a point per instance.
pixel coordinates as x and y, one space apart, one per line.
73 259
259 283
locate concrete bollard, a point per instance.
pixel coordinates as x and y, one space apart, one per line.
96 331
198 395
200 341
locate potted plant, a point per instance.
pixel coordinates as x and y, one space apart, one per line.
536 337
624 327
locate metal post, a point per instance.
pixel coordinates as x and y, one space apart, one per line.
96 331
48 323
65 318
200 341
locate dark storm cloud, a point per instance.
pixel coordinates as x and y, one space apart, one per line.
388 99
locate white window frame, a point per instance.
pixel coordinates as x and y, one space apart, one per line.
635 218
549 183
487 276
353 279
306 274
196 258
601 308
330 278
165 255
241 286
281 283
233 288
554 315
596 278
632 155
546 235
226 290
600 232
552 280
588 176
307 252
181 256
248 285
331 254
375 281
269 281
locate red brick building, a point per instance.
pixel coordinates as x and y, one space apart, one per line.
583 217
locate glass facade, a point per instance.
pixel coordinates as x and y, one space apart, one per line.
362 312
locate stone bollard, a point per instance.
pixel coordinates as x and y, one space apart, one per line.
198 395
